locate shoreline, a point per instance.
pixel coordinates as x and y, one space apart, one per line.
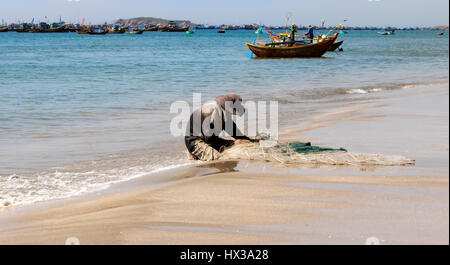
203 184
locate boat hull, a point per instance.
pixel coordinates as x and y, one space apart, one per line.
335 46
135 32
59 30
301 51
117 31
173 29
98 33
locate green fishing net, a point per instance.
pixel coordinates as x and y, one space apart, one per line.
303 153
304 148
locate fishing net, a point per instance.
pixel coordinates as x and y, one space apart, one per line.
299 153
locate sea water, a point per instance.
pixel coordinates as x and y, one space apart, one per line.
80 112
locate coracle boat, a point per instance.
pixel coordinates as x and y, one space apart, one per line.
297 50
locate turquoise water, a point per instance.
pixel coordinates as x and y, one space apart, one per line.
67 97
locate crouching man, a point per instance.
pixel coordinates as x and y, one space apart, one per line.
208 122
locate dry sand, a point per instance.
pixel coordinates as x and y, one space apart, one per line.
242 208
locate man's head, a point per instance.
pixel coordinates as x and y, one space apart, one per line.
232 103
309 26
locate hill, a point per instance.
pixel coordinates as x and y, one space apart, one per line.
140 21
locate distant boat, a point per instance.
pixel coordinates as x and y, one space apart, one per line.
270 50
221 31
97 31
22 30
173 27
52 30
135 31
392 32
440 33
116 31
154 28
4 29
190 32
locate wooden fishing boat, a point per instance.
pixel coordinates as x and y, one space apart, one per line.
52 30
4 29
173 29
116 31
82 31
221 31
155 28
23 30
135 31
98 31
335 45
392 32
439 33
274 50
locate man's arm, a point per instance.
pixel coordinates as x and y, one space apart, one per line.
238 135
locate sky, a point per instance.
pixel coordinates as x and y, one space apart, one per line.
215 12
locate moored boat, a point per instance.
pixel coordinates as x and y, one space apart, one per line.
152 28
172 26
22 30
275 50
4 29
97 31
52 30
135 31
173 29
392 32
116 30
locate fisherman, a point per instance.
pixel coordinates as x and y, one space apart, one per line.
208 122
292 36
310 33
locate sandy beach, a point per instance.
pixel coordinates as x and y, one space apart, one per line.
244 202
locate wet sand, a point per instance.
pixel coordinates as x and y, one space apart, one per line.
258 203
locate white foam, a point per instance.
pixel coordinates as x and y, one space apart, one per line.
23 190
376 90
357 91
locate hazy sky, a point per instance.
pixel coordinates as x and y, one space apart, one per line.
358 12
